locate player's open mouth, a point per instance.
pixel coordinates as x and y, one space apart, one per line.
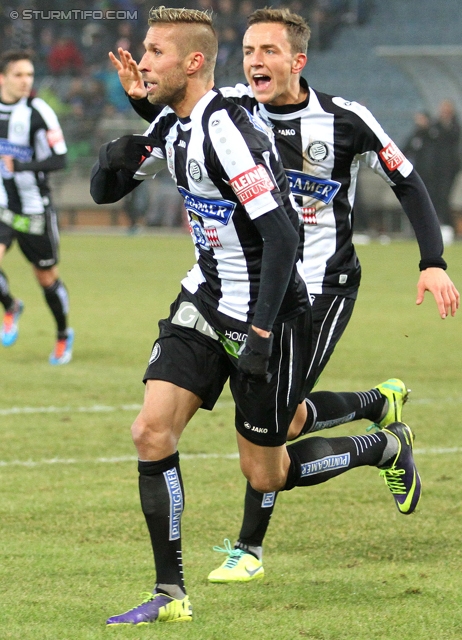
150 86
261 81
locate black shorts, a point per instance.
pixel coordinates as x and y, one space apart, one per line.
41 250
331 314
200 355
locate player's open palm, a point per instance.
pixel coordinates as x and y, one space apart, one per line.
129 74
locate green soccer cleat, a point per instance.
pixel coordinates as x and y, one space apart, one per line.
394 390
239 566
402 477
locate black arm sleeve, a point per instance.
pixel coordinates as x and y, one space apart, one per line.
53 163
279 252
108 186
414 199
145 109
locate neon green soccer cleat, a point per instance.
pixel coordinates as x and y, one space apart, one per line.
394 390
239 566
401 476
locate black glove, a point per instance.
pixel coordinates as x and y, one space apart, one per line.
127 152
254 359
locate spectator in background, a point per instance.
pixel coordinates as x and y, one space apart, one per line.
124 35
65 57
229 50
419 148
245 8
42 51
136 204
446 164
19 33
116 100
225 16
95 41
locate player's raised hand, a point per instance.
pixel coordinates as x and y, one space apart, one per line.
438 282
129 74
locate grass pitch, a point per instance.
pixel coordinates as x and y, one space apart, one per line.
341 562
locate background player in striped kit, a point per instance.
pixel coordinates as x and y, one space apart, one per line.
31 145
322 140
244 283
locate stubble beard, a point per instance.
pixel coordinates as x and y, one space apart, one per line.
173 92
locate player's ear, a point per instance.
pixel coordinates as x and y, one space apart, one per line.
299 61
195 62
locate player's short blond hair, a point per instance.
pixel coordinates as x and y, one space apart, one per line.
198 33
298 30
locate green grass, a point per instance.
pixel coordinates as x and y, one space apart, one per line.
341 562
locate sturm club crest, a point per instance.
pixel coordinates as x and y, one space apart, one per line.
317 151
194 170
155 353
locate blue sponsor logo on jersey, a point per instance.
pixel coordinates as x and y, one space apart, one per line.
325 464
198 234
302 184
219 210
20 152
176 502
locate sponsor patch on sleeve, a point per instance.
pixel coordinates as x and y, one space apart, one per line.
252 183
392 156
54 136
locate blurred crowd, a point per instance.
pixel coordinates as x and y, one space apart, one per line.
434 148
75 77
73 72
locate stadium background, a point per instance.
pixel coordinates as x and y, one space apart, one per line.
396 57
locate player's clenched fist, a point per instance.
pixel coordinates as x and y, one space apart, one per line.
127 152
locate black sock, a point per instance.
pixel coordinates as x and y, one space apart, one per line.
258 509
5 297
316 460
57 299
327 409
162 502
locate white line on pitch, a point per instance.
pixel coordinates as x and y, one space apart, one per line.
97 408
67 461
92 409
184 456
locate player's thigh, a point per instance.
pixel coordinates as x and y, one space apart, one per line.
7 235
186 371
166 411
331 315
264 409
42 250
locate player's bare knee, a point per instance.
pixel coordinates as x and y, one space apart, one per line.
264 481
153 438
139 432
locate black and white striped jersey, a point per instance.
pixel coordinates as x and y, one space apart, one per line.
228 172
30 132
322 143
